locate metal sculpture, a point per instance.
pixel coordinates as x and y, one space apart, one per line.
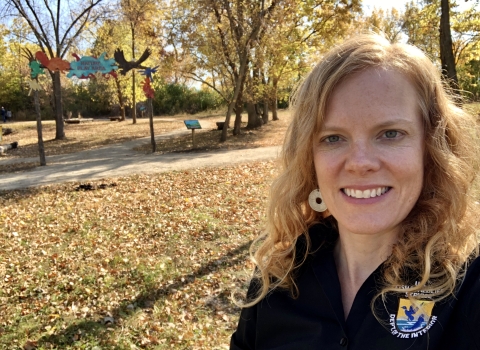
147 88
127 66
35 69
53 64
34 85
149 72
88 66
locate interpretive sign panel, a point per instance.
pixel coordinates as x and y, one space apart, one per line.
192 124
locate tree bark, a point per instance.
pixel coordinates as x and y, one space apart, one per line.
265 112
254 120
238 114
41 148
446 48
134 111
120 99
236 93
275 99
57 92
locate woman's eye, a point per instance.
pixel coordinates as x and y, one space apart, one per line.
391 134
332 138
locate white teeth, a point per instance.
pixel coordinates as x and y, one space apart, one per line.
365 194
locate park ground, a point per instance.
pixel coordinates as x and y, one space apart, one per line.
140 262
103 132
145 261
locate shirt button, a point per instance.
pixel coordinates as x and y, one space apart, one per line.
343 341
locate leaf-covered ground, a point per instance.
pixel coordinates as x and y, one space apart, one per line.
79 137
270 134
129 263
99 133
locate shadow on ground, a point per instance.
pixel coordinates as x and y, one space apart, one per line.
95 328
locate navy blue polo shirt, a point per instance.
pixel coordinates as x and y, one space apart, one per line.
315 320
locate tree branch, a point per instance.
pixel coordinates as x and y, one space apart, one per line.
40 35
74 22
52 18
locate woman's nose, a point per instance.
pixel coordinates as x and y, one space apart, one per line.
362 158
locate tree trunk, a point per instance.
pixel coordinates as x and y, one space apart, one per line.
275 100
57 92
238 114
254 120
243 61
134 111
265 100
236 92
223 137
446 47
152 133
41 148
120 99
265 112
274 109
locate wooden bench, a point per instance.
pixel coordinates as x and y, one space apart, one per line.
113 119
78 120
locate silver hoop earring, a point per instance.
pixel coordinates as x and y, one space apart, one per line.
316 201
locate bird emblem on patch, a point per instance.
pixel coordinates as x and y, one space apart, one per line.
413 319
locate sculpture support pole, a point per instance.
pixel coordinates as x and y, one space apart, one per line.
152 134
41 148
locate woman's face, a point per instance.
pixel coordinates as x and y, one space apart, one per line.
369 155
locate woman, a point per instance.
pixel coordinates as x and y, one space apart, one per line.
371 236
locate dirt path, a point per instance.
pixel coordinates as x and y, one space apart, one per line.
121 160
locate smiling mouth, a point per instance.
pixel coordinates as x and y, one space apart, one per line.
374 192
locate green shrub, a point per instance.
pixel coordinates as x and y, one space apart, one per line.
173 99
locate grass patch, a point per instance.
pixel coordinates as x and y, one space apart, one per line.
149 263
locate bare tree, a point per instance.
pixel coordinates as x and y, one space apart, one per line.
55 24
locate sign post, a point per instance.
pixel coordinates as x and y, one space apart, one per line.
192 125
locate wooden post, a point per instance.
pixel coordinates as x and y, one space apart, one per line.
152 134
41 148
192 125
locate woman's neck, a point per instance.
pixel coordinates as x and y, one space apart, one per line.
356 258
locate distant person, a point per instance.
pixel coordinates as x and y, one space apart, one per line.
9 115
371 238
4 114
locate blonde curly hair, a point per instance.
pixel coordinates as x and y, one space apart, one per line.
438 236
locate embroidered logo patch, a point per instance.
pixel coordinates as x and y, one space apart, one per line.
413 319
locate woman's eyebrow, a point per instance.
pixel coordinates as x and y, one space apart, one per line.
384 124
